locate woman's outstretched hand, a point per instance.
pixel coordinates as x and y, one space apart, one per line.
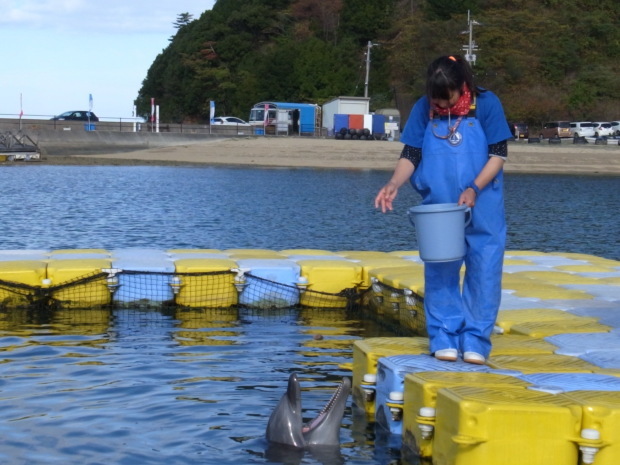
386 196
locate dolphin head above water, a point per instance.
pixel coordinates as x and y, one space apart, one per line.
286 426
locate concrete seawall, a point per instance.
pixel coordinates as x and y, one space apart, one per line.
63 138
70 144
54 143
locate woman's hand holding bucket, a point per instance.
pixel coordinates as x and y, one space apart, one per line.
468 197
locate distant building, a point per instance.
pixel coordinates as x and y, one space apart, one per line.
344 106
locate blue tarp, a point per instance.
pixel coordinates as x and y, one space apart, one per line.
378 124
340 121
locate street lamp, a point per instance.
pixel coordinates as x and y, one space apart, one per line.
369 46
471 47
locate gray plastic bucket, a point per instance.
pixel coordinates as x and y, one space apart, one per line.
440 230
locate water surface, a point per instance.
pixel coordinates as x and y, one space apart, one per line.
177 207
197 386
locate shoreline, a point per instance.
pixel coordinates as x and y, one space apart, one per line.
307 152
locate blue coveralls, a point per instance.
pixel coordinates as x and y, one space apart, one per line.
454 319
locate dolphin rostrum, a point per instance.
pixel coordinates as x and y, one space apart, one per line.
286 426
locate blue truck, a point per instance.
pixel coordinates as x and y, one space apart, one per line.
299 118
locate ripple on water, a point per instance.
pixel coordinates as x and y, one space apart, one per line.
169 393
130 386
221 208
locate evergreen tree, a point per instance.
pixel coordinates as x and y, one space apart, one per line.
546 59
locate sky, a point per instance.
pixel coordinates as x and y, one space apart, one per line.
56 53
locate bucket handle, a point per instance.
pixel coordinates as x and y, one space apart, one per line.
468 216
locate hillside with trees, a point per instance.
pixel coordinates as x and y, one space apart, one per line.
546 59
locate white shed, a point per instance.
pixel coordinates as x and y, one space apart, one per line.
344 106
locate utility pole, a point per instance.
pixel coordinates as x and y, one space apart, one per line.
471 47
368 47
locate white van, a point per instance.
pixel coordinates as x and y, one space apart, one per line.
603 128
582 129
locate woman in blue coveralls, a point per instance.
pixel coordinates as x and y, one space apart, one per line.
455 149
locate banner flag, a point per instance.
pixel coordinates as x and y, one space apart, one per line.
212 110
90 102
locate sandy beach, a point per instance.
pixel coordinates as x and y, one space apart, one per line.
307 152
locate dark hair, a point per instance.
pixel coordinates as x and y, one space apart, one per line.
446 74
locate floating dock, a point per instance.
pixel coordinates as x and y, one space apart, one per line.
548 394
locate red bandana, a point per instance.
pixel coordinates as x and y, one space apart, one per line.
461 107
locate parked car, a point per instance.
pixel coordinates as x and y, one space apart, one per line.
615 126
229 121
603 129
81 115
519 130
556 129
582 128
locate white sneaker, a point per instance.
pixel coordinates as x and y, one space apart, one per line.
447 355
473 357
